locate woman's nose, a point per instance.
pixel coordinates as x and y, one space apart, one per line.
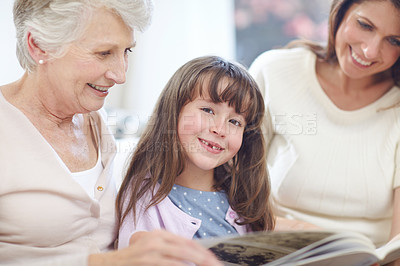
117 70
371 48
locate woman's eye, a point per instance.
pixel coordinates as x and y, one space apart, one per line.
394 41
105 53
128 50
235 122
364 25
207 110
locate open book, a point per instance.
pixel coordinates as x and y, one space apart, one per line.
301 248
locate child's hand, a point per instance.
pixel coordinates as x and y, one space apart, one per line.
157 248
163 248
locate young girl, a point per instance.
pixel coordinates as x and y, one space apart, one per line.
199 169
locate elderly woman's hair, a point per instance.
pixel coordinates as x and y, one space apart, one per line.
56 23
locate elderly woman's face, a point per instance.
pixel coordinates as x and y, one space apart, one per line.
83 77
368 39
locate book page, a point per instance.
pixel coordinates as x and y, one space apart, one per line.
293 247
343 251
390 251
261 248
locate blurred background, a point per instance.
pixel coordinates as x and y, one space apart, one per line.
238 30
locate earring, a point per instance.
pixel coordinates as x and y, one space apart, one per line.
41 61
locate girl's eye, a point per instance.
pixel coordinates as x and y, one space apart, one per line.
394 42
364 25
235 122
207 110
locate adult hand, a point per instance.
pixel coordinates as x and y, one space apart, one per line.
157 248
393 263
283 224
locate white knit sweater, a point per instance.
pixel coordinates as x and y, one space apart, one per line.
330 167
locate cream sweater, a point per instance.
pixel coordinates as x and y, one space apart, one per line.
46 218
333 168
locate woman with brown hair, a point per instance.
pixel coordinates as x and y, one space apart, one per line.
335 154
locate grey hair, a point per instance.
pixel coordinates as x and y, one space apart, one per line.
54 24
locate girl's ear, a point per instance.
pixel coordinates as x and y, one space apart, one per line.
35 52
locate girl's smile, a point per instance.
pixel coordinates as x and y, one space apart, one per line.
211 146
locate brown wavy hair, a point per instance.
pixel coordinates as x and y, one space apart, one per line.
159 155
327 52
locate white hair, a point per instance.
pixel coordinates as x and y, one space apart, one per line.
54 24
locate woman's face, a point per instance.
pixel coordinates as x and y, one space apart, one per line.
368 39
81 79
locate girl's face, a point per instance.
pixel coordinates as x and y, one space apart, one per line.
368 39
210 133
81 79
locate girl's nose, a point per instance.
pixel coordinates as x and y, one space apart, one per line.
218 128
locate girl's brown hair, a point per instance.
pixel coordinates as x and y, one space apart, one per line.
327 53
159 155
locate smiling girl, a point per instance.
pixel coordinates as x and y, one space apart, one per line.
199 169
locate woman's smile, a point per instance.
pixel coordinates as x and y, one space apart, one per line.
99 88
358 61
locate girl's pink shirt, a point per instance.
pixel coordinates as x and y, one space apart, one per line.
167 216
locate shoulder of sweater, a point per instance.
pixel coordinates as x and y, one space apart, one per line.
276 58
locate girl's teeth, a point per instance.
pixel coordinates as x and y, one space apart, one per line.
359 60
213 147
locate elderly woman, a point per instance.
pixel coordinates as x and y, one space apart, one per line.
57 195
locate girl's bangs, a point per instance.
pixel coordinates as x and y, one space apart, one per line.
239 92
